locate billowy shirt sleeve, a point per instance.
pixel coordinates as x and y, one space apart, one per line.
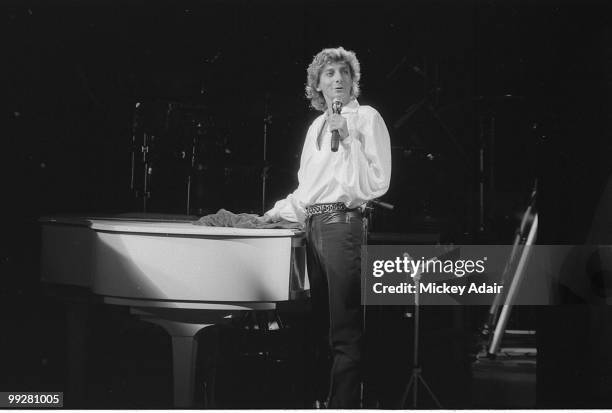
289 209
364 168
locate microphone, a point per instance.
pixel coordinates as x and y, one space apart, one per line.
335 140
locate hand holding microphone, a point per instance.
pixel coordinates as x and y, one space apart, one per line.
337 124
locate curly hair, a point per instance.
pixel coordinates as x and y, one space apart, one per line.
313 74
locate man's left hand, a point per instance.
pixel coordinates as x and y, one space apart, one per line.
266 219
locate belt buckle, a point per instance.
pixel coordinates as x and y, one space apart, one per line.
318 209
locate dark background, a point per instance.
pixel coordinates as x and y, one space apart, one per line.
527 81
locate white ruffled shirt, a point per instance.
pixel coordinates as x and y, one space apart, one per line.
358 172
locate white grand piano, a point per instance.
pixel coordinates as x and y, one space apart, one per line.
181 276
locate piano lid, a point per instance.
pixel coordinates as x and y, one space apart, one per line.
66 220
186 228
160 226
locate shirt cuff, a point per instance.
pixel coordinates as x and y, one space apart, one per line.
274 213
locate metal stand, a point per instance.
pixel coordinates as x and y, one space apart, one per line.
520 238
417 376
200 131
365 227
486 170
190 174
144 149
519 274
267 121
146 179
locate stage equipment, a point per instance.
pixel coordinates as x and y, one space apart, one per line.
417 371
169 272
178 146
513 273
430 103
490 109
267 121
430 141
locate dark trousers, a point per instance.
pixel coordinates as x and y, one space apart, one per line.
334 271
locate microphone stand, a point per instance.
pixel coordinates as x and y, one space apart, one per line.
417 371
365 227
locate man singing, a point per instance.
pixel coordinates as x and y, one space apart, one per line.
345 162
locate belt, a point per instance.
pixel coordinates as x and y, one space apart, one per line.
318 209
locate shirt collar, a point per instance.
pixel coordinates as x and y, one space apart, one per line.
351 107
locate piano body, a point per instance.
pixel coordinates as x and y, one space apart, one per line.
181 276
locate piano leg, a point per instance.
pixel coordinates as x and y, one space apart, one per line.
184 355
